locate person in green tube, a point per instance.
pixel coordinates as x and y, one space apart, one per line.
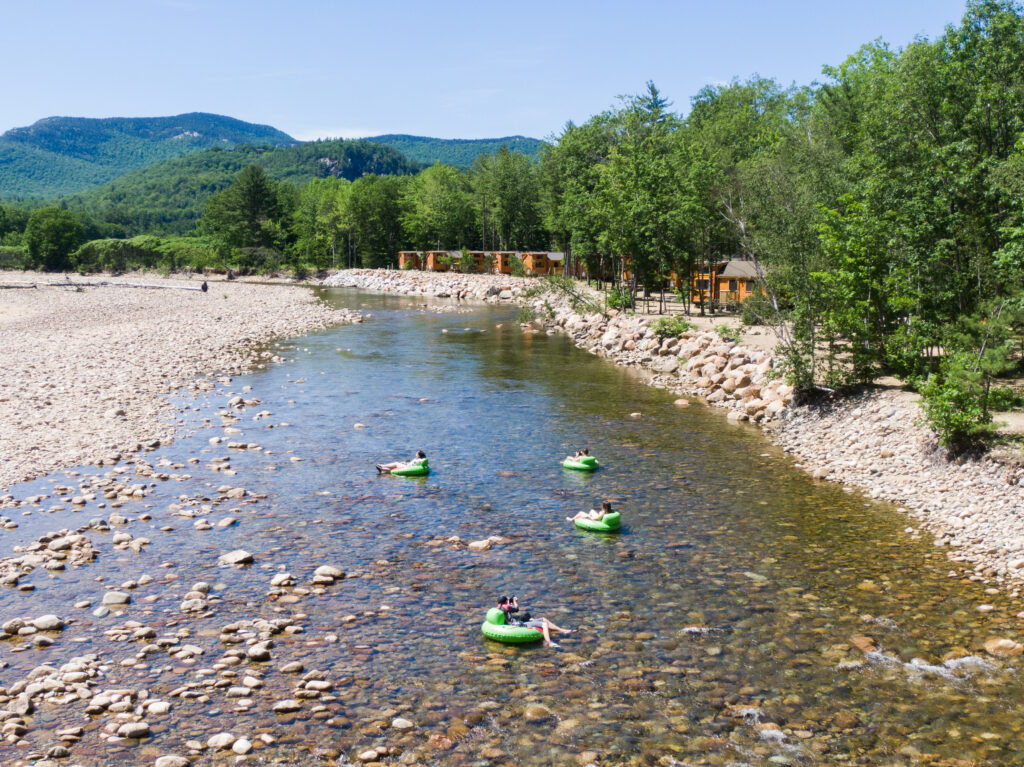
606 509
419 460
543 625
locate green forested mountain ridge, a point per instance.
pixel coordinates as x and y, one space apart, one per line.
64 155
169 197
457 152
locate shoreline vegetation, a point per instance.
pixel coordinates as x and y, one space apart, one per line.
872 442
89 372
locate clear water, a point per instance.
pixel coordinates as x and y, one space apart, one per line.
714 629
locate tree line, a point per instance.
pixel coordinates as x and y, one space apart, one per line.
883 209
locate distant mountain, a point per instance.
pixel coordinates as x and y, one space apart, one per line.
168 197
63 155
457 151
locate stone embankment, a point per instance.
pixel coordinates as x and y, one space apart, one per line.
873 442
703 363
477 287
87 369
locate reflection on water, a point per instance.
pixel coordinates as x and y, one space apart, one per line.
714 629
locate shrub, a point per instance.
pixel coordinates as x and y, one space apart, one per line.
13 257
518 268
726 332
1004 398
955 404
757 310
670 327
467 264
620 297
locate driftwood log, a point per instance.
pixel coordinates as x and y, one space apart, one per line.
69 284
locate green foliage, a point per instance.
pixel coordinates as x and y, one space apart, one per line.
620 297
148 252
955 403
726 332
458 153
51 236
671 327
757 310
438 209
527 314
507 193
249 213
466 263
322 223
516 265
375 207
1003 398
65 155
13 256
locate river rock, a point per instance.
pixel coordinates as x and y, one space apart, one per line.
221 741
1003 648
48 623
171 760
112 598
236 557
133 730
329 571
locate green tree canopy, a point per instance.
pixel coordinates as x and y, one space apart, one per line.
52 235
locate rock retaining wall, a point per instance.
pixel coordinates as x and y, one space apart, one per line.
478 287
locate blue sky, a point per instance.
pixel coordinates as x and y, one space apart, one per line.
315 68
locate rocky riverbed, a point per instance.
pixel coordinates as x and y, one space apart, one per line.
86 368
873 442
255 594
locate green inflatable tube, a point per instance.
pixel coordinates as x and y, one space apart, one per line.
586 463
609 524
420 469
494 627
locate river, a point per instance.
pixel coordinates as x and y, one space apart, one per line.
715 628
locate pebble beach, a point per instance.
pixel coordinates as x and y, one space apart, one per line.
87 369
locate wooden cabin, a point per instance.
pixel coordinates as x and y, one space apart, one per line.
502 261
540 263
436 260
477 258
410 259
727 282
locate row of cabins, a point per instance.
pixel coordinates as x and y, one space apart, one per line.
723 283
534 263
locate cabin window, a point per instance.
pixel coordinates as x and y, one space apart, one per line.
732 286
750 285
702 284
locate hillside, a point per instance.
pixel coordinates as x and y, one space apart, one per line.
458 152
168 197
63 155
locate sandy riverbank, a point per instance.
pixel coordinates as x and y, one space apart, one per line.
86 369
873 442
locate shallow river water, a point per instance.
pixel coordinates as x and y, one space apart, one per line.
715 628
